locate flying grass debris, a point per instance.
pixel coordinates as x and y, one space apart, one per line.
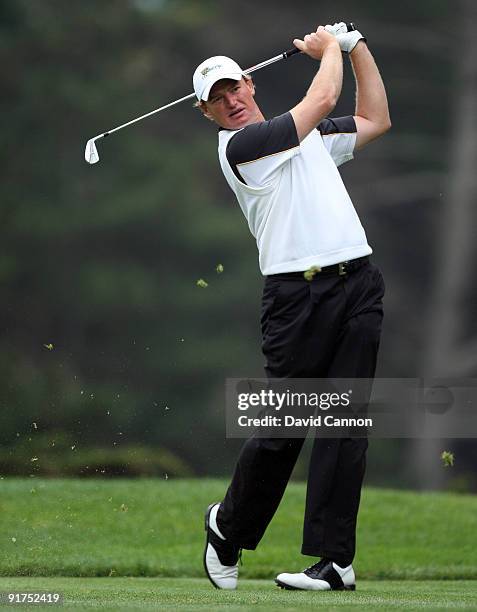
447 458
202 283
310 273
48 346
219 269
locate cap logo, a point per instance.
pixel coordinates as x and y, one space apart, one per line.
208 69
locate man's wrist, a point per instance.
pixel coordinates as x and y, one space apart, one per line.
333 44
360 45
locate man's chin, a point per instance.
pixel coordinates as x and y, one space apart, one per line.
241 121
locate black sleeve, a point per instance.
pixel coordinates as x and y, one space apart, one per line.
260 140
338 125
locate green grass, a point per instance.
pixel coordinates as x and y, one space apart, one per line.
196 594
154 528
57 535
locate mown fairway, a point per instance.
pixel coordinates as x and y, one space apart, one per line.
414 550
197 594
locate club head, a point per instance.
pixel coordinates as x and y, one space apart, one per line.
91 152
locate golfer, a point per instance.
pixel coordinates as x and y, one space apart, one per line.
284 174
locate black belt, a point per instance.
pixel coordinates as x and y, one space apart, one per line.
339 269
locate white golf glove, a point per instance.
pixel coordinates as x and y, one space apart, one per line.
347 40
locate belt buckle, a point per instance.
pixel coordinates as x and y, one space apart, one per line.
342 268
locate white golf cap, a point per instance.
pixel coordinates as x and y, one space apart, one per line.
212 70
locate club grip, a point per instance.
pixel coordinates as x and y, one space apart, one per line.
287 54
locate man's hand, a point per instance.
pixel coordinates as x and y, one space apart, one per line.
314 44
347 40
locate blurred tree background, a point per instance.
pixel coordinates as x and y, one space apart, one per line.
112 359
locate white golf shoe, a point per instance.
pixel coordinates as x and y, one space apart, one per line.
323 576
220 557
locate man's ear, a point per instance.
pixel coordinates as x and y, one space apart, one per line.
251 85
205 112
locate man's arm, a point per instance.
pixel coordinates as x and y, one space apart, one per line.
325 89
372 112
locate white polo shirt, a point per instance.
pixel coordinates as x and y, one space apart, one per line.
292 194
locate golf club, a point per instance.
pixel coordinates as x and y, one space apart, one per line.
91 152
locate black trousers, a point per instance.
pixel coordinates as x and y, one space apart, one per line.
327 327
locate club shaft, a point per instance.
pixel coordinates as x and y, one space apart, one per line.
272 60
157 110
